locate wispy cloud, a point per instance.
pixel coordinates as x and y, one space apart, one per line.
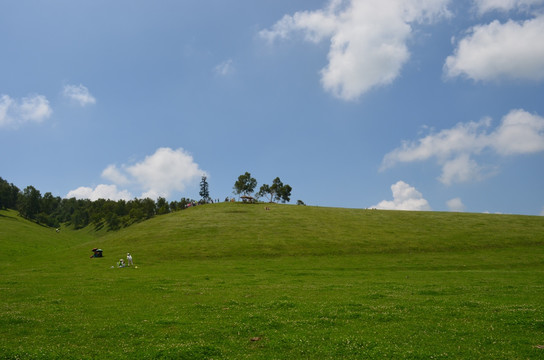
485 6
368 39
519 133
225 68
30 109
455 205
405 197
79 94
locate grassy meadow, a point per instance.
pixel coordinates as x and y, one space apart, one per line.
236 281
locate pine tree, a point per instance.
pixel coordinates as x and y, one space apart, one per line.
204 192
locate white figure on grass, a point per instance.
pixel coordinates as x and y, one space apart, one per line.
129 260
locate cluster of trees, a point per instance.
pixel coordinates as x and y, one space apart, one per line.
278 191
8 195
52 211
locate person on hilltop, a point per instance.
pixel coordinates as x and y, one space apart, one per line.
129 260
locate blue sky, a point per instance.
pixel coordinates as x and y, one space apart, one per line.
394 104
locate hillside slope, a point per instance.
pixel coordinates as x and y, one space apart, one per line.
233 230
236 281
243 230
20 238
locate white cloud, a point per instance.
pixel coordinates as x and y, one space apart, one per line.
455 205
513 50
165 171
484 6
461 138
225 68
460 169
367 39
519 133
109 192
405 197
13 113
35 108
79 94
317 25
115 175
542 212
158 175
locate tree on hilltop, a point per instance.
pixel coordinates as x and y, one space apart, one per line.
264 190
277 191
245 184
204 189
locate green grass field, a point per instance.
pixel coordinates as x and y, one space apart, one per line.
235 281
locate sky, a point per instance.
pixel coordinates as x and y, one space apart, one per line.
391 104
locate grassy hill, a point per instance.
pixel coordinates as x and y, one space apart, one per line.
238 281
241 230
22 239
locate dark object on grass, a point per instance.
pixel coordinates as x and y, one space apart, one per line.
96 253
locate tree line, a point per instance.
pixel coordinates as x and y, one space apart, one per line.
52 210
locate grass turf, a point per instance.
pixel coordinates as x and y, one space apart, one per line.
234 281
